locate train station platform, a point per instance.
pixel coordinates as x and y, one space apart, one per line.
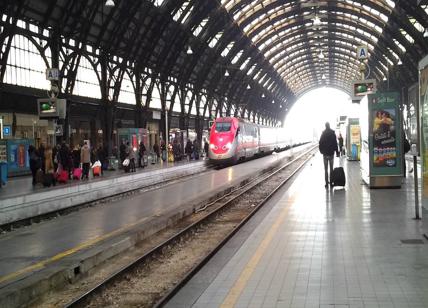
54 252
19 199
316 247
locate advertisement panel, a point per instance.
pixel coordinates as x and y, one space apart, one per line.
385 134
17 154
423 111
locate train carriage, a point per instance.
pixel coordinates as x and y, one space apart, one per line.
233 139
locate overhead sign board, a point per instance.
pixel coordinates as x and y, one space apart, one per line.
156 115
363 87
52 74
362 52
49 108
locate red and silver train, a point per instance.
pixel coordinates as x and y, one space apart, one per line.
233 139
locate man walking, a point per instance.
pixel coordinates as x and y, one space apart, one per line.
328 146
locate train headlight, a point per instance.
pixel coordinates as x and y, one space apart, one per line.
228 145
212 146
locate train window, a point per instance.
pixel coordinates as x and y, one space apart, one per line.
223 126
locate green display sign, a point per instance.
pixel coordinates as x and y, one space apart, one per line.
385 134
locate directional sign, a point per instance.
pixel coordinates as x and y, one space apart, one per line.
362 52
52 74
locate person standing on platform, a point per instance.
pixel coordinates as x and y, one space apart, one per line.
163 151
327 147
156 150
41 152
141 152
131 155
340 139
35 163
189 149
85 158
206 148
122 152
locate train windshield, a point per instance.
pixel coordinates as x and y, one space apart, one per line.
223 126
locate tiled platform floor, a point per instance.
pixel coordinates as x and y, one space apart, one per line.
321 248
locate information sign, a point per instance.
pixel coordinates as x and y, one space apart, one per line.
7 131
362 52
52 74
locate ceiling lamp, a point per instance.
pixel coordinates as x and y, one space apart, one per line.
273 102
263 95
384 79
399 62
426 32
226 74
317 21
189 50
248 87
321 55
323 77
110 3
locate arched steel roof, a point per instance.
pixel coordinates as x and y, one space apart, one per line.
269 48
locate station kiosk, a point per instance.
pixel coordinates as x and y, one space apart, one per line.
381 144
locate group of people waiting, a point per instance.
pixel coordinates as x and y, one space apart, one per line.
129 155
52 161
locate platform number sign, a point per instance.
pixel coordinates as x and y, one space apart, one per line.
362 52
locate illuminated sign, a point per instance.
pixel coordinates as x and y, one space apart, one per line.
7 131
49 108
363 87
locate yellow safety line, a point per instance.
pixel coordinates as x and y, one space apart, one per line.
250 267
66 253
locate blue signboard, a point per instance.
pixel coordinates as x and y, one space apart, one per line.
7 131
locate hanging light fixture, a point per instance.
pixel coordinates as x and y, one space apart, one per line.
323 77
226 73
189 50
109 3
321 55
384 78
399 62
317 21
426 32
263 95
248 87
273 102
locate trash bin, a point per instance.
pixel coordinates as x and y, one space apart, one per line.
3 173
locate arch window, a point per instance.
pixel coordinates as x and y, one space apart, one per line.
87 83
25 66
127 94
156 98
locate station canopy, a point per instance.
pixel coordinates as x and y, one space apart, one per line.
268 52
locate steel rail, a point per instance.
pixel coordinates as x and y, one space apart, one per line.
79 301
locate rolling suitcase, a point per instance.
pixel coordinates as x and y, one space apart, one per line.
62 177
48 180
337 177
77 173
96 171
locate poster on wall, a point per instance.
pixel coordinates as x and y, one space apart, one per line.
17 154
385 133
384 138
423 101
3 151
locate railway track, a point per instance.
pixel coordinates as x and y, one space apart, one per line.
154 278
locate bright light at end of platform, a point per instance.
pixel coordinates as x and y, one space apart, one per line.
308 115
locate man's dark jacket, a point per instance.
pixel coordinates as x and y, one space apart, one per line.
328 142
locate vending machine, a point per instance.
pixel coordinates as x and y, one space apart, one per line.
381 144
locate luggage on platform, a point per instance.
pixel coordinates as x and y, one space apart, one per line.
62 176
337 177
77 173
164 155
39 176
96 171
48 180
